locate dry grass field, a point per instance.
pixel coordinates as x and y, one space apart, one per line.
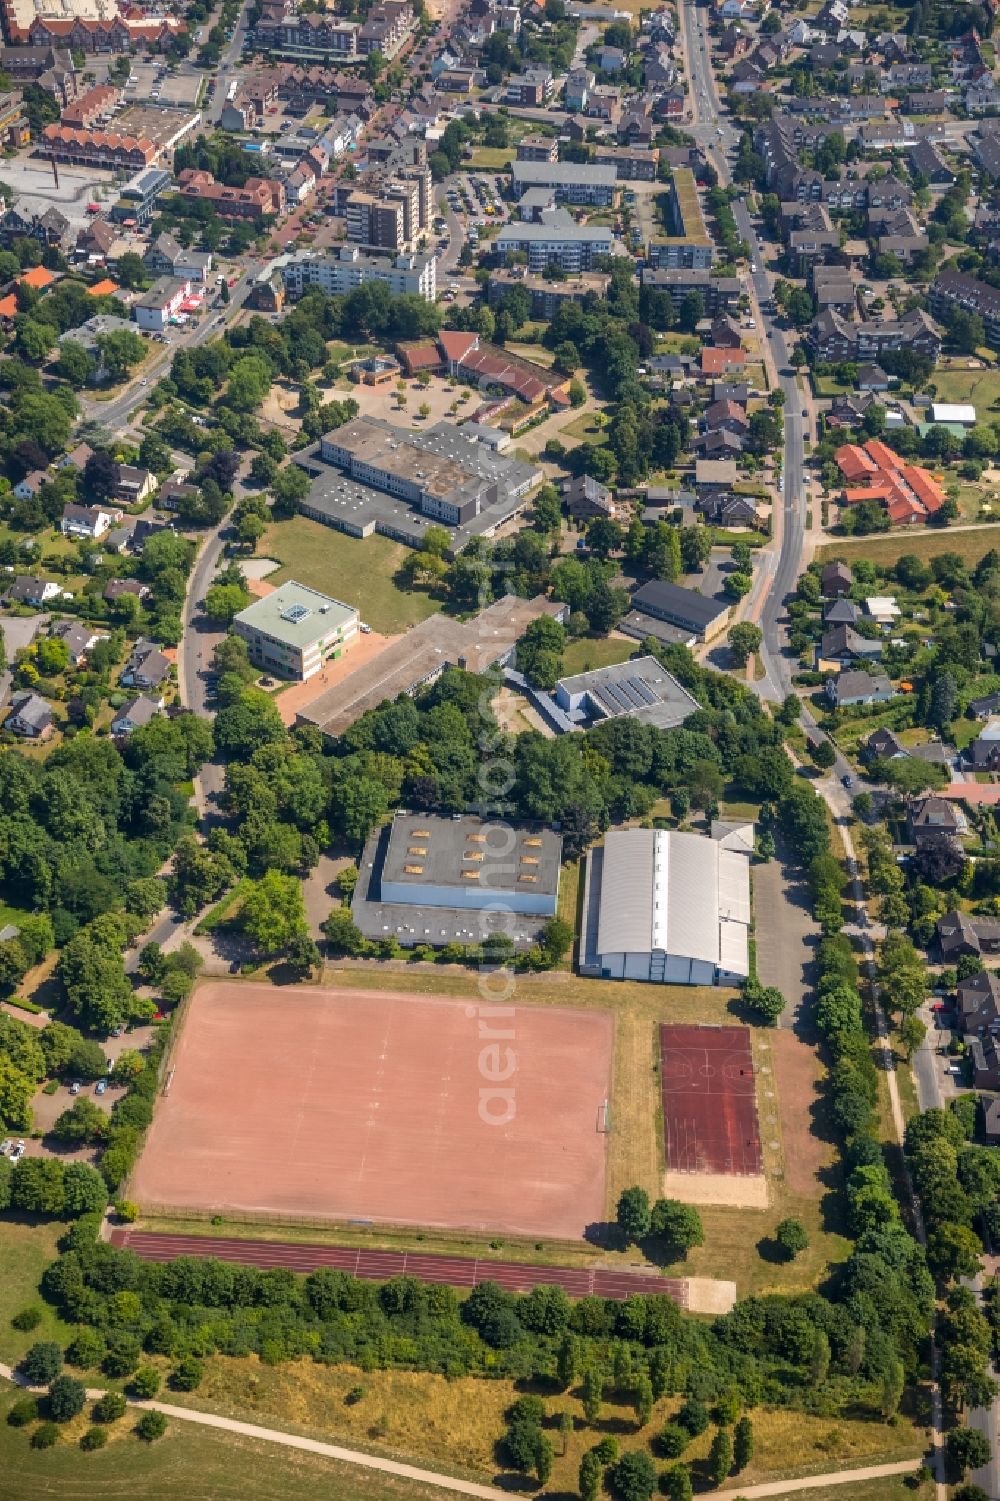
456 1423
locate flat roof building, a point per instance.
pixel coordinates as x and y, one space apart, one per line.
668 907
467 862
421 655
572 182
345 267
447 475
295 630
641 689
557 241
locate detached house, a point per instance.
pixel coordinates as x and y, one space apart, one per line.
147 667
586 498
852 688
133 715
87 521
30 717
33 591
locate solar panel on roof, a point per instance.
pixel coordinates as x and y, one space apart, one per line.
643 689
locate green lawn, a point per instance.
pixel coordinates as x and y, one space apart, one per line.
585 654
980 387
198 1464
589 427
359 571
25 1251
490 157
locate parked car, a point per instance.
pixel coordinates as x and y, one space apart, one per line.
74 1088
6 1147
18 1152
102 1086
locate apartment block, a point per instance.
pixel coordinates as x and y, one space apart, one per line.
346 268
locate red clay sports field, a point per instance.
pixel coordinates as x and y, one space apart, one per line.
365 1105
709 1102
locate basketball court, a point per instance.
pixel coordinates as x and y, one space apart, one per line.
711 1135
382 1107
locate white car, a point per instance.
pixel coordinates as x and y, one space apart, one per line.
6 1147
74 1088
365 630
18 1152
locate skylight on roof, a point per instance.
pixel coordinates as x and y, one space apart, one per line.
295 614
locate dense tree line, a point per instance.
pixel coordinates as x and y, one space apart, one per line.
804 1351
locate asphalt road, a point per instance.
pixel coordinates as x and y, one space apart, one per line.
115 413
717 137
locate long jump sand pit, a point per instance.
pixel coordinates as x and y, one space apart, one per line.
372 1105
711 1136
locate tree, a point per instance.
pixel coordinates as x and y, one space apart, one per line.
110 1407
720 1456
678 1225
590 1477
766 1000
968 1449
791 1237
225 601
343 934
83 1122
743 1444
22 1412
152 1425
643 1399
41 1363
911 1034
633 1213
744 639
66 1398
633 1477
677 1484
273 913
593 1394
187 1375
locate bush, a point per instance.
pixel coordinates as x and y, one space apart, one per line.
94 1438
45 1435
42 1363
123 1357
23 1412
792 1238
86 1350
693 1416
674 1440
66 1398
145 1383
152 1425
187 1374
109 1408
27 1319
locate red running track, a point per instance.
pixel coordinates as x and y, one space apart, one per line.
379 1266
